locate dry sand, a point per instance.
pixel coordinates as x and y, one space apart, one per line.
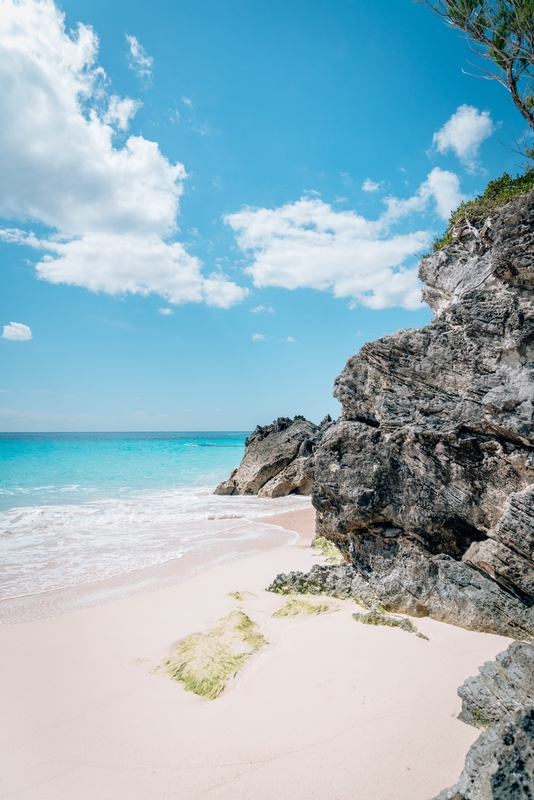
330 709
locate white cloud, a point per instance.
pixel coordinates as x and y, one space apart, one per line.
371 186
138 60
17 332
120 112
463 134
262 310
441 186
444 188
187 101
290 339
113 210
259 337
308 244
165 311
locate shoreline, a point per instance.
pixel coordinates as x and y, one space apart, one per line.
329 708
71 599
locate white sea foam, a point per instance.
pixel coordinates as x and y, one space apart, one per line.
56 546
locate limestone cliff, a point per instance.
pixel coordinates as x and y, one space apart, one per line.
426 480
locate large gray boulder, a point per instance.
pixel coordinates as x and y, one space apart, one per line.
500 764
278 460
426 480
502 687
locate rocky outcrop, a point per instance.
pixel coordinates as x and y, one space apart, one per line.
500 764
408 582
426 480
503 686
278 460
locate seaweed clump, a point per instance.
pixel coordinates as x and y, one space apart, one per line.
299 606
378 616
475 212
205 662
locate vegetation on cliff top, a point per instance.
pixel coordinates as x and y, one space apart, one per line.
476 212
501 33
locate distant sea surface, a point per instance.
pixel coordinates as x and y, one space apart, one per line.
81 507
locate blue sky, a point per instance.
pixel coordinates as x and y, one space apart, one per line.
207 206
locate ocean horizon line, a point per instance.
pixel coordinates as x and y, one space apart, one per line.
236 431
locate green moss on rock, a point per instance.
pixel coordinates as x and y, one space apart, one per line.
328 549
379 617
479 720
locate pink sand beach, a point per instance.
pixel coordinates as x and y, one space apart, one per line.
329 709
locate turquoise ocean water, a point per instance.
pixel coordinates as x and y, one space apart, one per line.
80 507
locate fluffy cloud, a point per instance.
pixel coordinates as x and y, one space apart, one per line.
441 186
112 209
370 186
308 244
120 111
17 332
138 59
259 337
165 311
463 134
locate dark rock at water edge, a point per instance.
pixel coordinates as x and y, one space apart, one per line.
278 460
425 481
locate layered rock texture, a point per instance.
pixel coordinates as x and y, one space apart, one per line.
278 460
503 687
500 764
426 480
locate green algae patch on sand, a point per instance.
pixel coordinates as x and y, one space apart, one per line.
379 617
205 662
240 596
301 606
327 549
